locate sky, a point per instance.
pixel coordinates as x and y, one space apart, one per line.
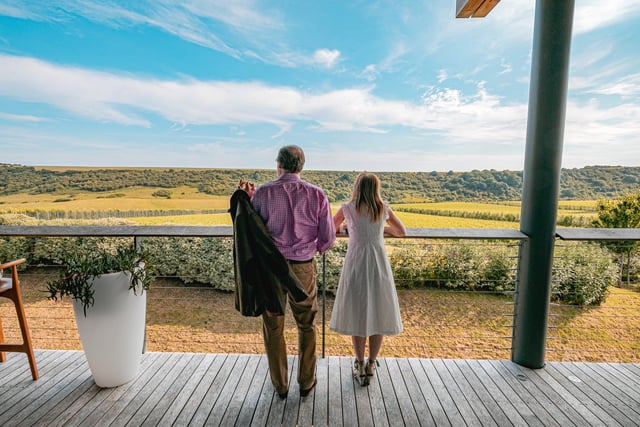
376 85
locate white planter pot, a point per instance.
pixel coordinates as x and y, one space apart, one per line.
112 333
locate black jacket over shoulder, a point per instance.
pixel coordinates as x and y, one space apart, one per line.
262 274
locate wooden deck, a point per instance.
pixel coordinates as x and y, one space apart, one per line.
230 389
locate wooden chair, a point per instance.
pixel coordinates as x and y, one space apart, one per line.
10 288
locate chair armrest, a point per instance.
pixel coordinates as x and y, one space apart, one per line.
12 263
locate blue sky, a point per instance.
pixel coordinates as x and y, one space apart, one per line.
360 85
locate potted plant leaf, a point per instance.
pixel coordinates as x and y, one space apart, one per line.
109 303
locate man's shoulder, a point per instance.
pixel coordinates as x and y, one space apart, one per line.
312 186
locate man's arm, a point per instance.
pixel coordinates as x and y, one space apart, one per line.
326 228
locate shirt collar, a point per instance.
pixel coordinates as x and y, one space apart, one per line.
287 177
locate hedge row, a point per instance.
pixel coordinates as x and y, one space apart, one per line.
582 273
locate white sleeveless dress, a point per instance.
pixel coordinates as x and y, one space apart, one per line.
366 302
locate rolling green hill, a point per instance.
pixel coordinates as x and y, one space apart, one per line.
588 183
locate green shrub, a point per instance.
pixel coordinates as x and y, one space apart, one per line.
194 259
498 268
582 274
334 259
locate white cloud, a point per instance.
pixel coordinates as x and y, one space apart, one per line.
326 58
239 28
506 67
370 73
457 118
442 76
593 14
22 118
128 100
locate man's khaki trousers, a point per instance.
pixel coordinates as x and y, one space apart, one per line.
273 331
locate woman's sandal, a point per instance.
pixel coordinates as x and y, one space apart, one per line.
359 373
370 369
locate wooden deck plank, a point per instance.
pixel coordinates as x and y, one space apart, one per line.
634 368
335 395
56 397
445 399
611 396
292 404
68 379
529 395
321 396
227 410
162 395
621 372
378 409
477 405
436 410
252 393
453 389
20 401
364 410
276 411
564 395
199 389
81 396
15 367
420 405
394 414
99 400
516 400
137 394
581 391
492 396
305 408
349 412
409 415
266 395
625 396
540 392
169 406
215 389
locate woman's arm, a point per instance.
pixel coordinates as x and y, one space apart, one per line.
395 227
338 219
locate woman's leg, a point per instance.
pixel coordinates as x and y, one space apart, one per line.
375 344
358 346
359 372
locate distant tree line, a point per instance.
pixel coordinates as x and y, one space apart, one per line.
588 183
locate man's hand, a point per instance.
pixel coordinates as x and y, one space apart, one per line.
247 186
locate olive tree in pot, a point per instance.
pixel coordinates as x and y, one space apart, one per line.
109 302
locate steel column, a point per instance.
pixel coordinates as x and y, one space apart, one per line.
543 155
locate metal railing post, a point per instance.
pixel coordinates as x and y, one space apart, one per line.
324 302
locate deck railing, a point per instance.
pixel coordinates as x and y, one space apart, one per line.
201 319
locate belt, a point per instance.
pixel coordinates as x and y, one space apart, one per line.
293 261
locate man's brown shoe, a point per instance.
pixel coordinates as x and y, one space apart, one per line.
305 392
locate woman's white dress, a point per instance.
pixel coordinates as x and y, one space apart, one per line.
366 302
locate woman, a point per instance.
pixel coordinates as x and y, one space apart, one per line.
366 304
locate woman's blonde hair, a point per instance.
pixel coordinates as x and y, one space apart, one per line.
366 192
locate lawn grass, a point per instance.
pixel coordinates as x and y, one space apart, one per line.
438 324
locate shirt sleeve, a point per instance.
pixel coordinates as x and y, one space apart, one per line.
326 228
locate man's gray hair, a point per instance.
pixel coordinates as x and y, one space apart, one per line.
291 158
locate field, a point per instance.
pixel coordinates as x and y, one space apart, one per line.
130 199
145 208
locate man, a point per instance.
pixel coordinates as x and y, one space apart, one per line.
298 218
